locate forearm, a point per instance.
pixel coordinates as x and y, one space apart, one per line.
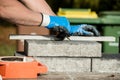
15 12
39 6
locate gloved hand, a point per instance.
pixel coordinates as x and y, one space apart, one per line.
84 30
60 24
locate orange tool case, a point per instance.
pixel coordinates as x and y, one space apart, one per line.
20 67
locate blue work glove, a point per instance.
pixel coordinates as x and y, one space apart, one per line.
60 24
84 30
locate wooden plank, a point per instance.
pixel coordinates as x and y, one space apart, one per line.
75 38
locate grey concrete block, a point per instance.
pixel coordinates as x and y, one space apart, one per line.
64 64
63 48
107 64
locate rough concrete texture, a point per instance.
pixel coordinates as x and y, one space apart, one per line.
79 76
108 64
63 48
66 64
75 76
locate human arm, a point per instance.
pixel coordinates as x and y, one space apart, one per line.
39 6
14 11
17 13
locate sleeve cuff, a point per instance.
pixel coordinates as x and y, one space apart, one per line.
45 20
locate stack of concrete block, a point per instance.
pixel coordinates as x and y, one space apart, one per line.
109 63
71 56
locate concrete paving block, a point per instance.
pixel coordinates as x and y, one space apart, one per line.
63 48
107 64
64 64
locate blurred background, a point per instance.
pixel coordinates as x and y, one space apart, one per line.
95 5
8 47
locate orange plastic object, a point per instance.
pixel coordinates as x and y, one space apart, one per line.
21 69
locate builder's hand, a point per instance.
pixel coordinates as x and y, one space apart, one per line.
84 30
60 24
